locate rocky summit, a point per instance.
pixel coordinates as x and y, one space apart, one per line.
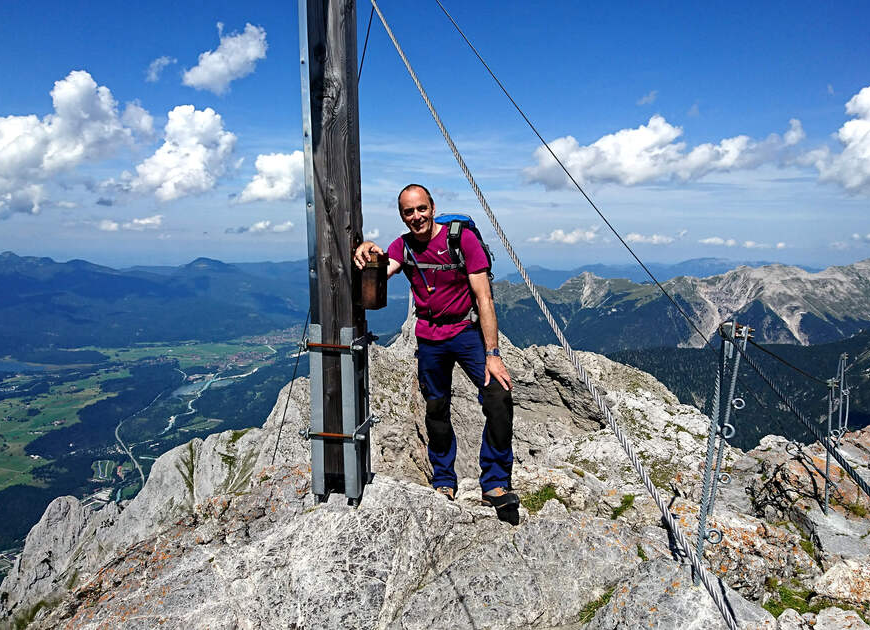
225 533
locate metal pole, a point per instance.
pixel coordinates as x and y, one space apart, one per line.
723 432
708 463
831 385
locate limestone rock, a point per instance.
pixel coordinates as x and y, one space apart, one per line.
751 551
790 619
660 594
838 619
847 581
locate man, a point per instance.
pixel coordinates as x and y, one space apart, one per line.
448 301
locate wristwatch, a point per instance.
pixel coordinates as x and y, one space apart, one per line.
493 353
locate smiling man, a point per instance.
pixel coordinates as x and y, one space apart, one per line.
456 323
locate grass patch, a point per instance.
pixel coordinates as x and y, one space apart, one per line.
237 435
591 608
640 553
627 502
855 508
799 599
535 501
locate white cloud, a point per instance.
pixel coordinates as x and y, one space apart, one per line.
372 235
851 167
155 68
693 111
234 58
781 245
84 126
260 226
107 225
754 245
718 240
280 176
652 239
195 153
138 119
682 233
651 152
147 223
795 133
839 245
648 98
861 239
568 238
66 204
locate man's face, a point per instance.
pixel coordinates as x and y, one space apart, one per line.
417 213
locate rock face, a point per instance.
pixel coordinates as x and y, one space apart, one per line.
225 533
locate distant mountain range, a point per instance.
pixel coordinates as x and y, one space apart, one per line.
784 304
47 304
697 267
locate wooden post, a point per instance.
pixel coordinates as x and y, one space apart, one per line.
331 129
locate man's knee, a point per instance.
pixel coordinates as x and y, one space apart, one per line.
438 424
498 407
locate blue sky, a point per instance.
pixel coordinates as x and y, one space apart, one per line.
739 132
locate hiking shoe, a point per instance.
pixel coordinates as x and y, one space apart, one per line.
500 498
447 491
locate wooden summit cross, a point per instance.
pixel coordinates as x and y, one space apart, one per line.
338 341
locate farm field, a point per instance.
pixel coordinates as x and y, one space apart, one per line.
58 422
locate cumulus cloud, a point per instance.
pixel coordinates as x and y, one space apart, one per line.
280 176
156 67
839 245
652 239
851 167
781 245
261 227
146 223
755 245
195 153
861 239
84 126
138 119
652 152
718 240
568 238
135 225
372 235
234 58
648 98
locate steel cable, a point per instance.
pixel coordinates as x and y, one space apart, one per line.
822 439
292 381
679 536
787 364
365 46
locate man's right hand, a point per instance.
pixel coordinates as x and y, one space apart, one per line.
364 252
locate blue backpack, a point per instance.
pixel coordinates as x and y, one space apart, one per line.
455 223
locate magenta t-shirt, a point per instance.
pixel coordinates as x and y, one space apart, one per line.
452 294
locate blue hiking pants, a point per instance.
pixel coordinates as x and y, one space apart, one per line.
435 361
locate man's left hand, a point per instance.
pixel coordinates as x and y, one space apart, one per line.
495 369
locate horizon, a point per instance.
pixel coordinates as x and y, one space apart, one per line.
166 136
499 272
